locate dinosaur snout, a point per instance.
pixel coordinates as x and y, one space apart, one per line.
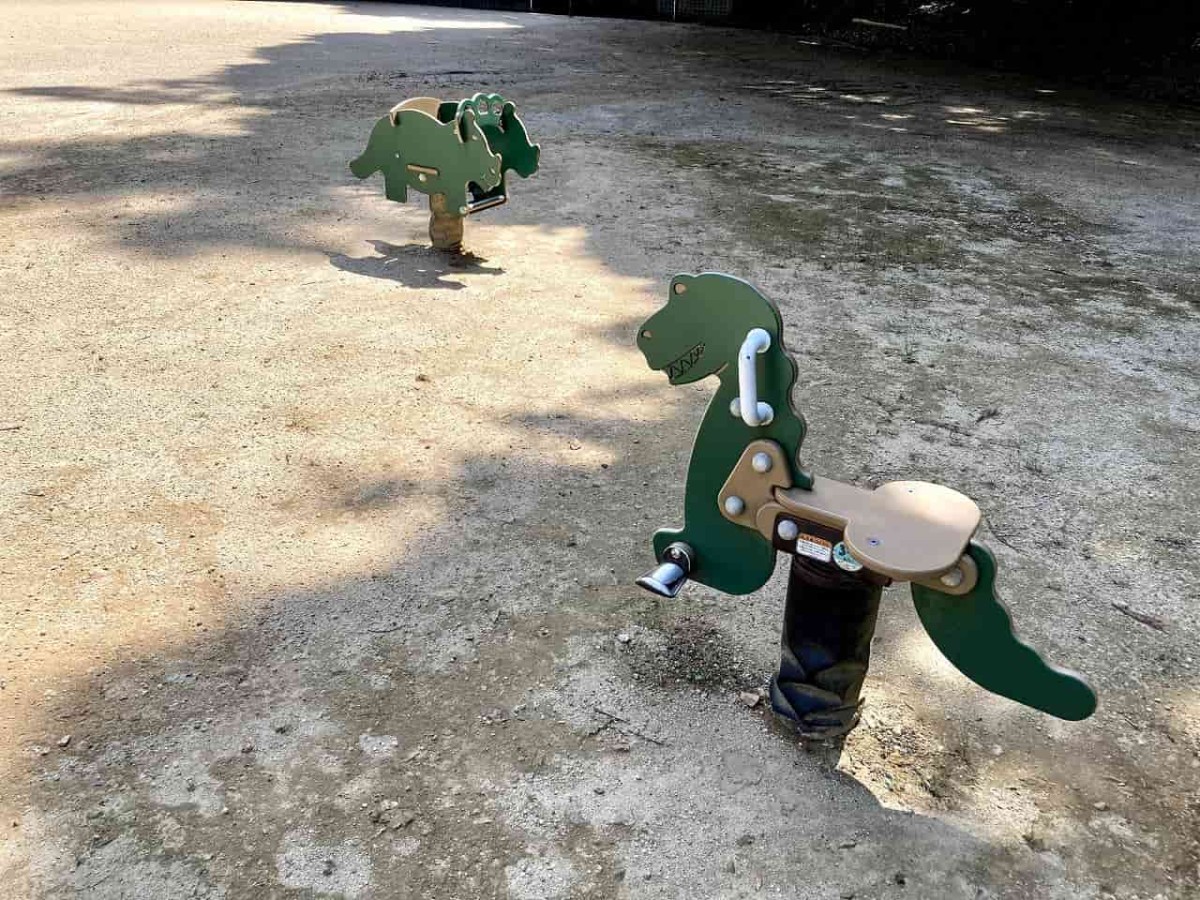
361 166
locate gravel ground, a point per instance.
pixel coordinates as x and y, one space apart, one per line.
319 546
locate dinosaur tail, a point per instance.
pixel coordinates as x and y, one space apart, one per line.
974 631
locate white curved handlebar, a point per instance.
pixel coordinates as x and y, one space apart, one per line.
753 413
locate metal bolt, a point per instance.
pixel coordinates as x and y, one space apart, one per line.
462 210
735 505
787 530
953 578
761 462
679 553
735 408
680 288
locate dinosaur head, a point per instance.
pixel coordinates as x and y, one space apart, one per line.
519 155
372 159
699 331
488 108
481 159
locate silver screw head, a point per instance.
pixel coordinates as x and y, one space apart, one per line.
787 530
735 407
953 578
735 505
761 462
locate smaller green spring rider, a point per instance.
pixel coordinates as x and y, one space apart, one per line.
747 497
458 152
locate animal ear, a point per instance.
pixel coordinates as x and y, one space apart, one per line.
508 113
466 122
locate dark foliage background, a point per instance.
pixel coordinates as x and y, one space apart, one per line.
1151 46
1115 42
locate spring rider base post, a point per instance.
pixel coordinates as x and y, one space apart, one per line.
445 226
825 647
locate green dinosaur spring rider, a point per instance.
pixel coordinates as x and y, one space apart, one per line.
747 497
457 152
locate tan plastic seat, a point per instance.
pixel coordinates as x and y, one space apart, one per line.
427 105
907 530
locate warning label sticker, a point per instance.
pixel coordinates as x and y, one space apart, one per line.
814 547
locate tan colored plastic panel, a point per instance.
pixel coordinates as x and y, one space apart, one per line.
907 530
427 105
969 572
765 520
755 489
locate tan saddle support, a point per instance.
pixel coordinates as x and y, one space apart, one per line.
905 530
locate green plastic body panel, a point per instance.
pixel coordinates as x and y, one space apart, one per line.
511 141
505 133
699 333
495 119
456 151
974 631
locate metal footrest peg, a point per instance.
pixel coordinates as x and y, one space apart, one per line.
669 576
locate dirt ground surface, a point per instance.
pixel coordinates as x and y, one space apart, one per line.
318 553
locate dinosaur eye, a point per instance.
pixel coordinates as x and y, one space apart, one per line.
680 288
647 334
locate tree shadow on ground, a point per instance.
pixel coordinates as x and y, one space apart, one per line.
336 730
260 185
283 715
415 265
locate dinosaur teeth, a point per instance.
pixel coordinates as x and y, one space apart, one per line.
685 362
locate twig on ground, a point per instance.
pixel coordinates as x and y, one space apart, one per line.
1145 618
945 426
1000 537
990 412
613 717
872 23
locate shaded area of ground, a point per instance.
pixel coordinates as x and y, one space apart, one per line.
323 545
